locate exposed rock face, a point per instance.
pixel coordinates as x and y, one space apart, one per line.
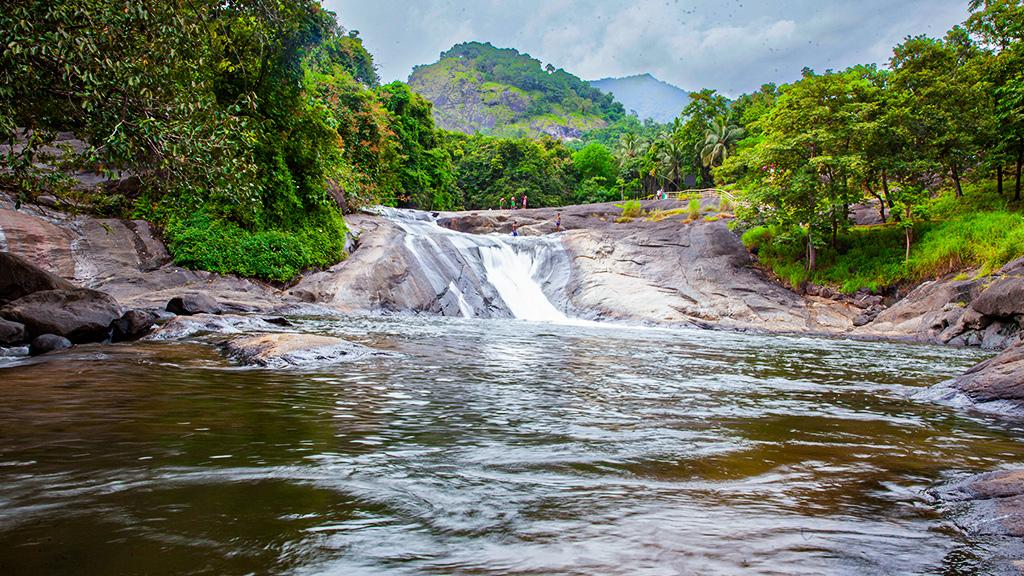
47 343
986 312
671 271
282 350
999 379
190 304
11 333
80 315
385 275
20 278
132 325
122 258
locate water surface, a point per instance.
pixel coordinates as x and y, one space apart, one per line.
492 447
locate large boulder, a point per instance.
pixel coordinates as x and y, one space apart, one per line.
290 349
999 379
80 315
11 333
191 304
19 278
47 343
1003 299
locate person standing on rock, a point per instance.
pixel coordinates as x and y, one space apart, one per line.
501 203
515 229
524 201
558 222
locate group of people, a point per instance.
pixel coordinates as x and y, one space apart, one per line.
512 203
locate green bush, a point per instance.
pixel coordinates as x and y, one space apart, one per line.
222 246
694 208
631 209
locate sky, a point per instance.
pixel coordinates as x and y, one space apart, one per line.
733 46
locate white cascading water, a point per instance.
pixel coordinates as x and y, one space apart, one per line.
516 269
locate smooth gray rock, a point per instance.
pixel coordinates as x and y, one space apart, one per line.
47 343
281 350
11 333
19 278
80 315
190 304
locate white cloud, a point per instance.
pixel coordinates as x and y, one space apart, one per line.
731 45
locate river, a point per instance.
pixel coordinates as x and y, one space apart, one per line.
492 447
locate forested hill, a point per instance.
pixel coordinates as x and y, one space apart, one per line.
644 94
476 88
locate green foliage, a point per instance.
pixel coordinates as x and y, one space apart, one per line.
694 208
216 107
488 169
631 209
502 92
595 162
218 245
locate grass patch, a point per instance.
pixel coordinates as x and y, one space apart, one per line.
872 257
631 209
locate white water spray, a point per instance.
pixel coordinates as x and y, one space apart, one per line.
515 269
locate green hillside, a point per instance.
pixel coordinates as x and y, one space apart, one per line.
477 88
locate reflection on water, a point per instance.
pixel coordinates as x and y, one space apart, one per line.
491 447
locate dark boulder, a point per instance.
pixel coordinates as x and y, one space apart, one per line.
11 333
19 278
134 324
80 315
48 343
190 304
1003 299
997 379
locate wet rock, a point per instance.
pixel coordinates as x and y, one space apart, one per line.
190 304
990 508
80 315
47 343
199 325
1003 299
999 379
19 278
11 332
291 349
132 325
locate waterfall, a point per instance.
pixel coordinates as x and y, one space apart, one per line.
492 275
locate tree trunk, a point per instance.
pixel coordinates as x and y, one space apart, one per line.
909 230
812 252
955 170
888 197
877 196
1020 160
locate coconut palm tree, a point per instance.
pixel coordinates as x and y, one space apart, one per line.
720 139
630 145
671 158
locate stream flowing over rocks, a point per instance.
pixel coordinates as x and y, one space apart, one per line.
66 282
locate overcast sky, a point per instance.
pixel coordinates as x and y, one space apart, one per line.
731 45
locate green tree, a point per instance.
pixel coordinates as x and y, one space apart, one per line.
720 140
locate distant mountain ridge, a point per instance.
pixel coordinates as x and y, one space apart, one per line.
646 95
476 87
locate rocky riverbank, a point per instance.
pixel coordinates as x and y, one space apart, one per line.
668 270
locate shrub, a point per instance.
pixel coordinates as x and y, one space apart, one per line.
631 209
694 208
